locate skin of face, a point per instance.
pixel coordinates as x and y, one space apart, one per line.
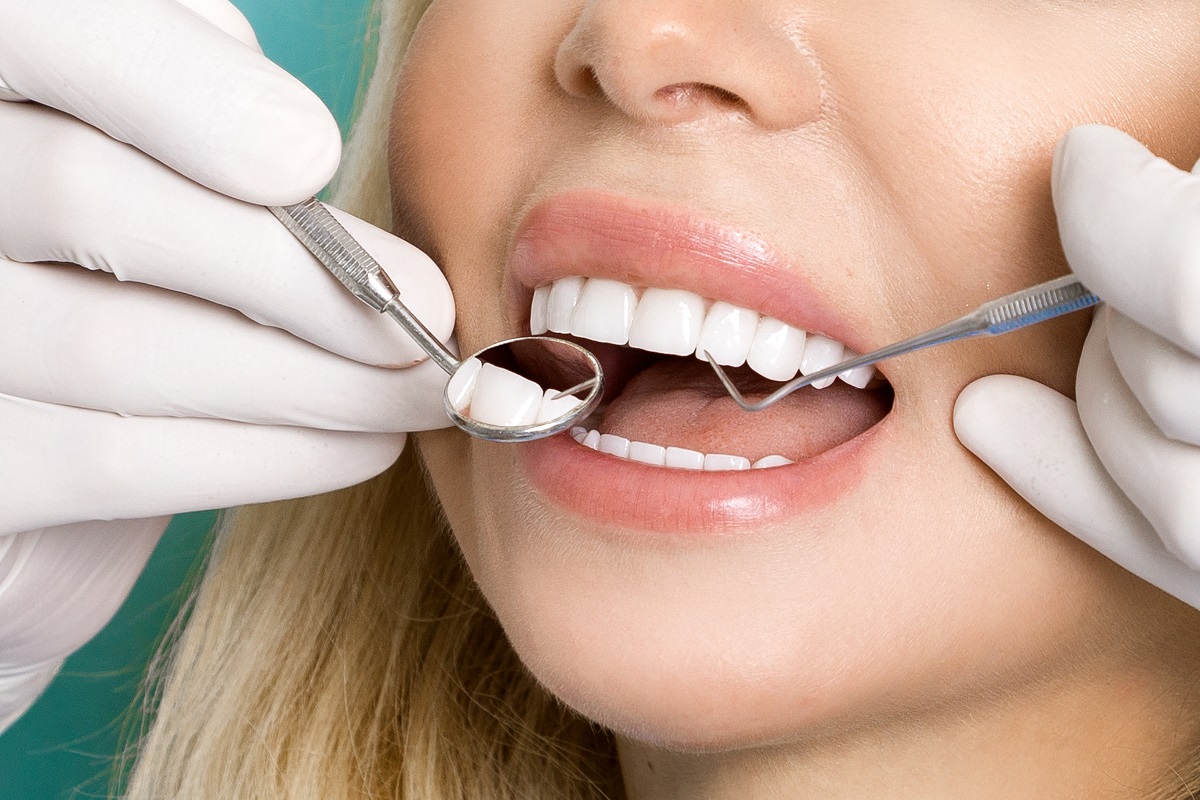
898 153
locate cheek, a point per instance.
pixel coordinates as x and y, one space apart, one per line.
465 121
993 139
963 155
446 454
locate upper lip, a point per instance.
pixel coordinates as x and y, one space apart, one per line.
595 234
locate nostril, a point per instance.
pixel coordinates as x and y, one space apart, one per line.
587 83
676 61
688 95
575 70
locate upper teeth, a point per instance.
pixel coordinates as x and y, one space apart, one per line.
676 322
496 396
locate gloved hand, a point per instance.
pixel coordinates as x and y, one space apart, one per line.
1119 468
165 344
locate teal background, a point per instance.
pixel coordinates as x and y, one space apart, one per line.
65 747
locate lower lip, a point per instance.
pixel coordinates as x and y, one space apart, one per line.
618 492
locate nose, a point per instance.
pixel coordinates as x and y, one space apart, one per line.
678 61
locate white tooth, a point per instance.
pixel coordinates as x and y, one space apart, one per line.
821 352
614 445
563 296
592 440
462 383
667 321
727 333
777 350
858 377
579 434
682 458
718 462
604 311
540 310
550 410
648 453
771 461
504 398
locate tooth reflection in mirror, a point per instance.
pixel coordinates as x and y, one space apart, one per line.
524 388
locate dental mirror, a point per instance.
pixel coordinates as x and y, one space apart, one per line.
513 391
524 388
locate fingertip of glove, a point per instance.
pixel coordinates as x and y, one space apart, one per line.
291 151
986 396
987 406
1095 137
225 16
379 454
1085 147
973 409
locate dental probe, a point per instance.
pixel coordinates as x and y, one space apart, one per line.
1002 315
568 363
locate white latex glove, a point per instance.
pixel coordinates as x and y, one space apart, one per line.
58 587
1120 468
165 344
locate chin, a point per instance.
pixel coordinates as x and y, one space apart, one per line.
685 686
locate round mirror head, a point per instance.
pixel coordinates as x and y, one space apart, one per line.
524 388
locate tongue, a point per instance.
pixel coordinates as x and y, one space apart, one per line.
679 402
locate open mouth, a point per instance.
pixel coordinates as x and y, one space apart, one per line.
663 405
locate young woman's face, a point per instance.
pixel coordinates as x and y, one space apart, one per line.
857 170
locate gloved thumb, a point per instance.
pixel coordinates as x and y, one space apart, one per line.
1031 436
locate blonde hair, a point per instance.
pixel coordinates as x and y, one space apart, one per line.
337 647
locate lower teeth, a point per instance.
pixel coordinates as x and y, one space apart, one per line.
674 457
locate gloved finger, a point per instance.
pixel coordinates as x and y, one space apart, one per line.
19 690
84 339
72 194
1160 476
162 78
220 13
60 465
1130 229
1164 379
1031 436
59 586
226 17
